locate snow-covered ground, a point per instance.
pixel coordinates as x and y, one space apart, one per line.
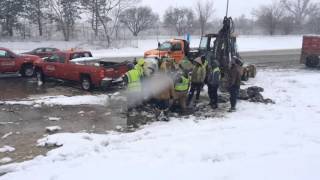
100 99
276 142
245 43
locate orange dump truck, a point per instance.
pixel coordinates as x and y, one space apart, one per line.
174 48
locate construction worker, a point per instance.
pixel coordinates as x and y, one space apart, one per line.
205 66
234 82
167 65
164 93
186 65
182 84
133 80
213 81
139 66
197 80
204 61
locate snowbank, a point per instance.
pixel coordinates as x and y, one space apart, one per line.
245 43
277 142
6 149
63 100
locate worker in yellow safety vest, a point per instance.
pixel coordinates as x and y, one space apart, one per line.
182 84
133 80
139 66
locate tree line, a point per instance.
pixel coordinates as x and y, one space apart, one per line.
289 16
106 17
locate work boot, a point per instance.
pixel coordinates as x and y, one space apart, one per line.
232 109
163 117
214 106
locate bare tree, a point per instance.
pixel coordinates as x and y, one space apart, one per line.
35 12
287 24
9 14
98 9
269 17
138 19
204 12
105 14
313 23
243 25
180 19
299 9
65 13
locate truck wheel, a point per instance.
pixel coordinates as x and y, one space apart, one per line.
312 61
40 77
27 71
86 83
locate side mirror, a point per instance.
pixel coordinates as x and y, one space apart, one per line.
159 44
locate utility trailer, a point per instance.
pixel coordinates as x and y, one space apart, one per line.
310 54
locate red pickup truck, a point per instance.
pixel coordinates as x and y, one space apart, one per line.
12 63
80 66
43 52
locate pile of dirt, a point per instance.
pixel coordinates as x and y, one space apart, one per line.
253 94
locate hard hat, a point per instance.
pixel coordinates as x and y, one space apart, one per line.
141 62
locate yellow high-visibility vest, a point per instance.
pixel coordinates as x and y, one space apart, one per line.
134 83
182 86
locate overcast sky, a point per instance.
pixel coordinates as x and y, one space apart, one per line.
237 7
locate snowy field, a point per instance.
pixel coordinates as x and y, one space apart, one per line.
274 142
246 43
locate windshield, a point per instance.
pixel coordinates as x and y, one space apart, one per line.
166 46
203 43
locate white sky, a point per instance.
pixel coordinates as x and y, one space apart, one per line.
237 7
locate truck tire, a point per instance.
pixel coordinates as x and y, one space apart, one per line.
27 70
86 83
40 77
312 61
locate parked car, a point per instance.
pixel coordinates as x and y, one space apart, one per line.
11 62
43 52
80 66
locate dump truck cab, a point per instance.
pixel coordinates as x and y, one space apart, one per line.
310 54
177 49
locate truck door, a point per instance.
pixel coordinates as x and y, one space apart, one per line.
54 66
7 62
71 69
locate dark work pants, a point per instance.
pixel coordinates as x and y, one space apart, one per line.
213 94
234 93
162 104
194 87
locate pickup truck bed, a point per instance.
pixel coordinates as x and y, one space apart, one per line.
88 71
